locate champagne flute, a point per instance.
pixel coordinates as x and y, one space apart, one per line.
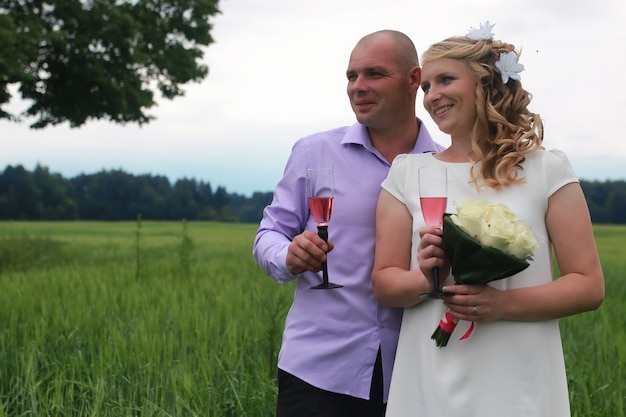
321 193
433 192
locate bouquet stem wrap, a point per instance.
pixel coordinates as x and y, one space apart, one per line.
445 329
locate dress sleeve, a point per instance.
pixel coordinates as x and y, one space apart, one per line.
395 181
558 170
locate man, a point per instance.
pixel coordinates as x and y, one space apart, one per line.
339 345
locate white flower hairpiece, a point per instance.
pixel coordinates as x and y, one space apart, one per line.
507 64
509 67
482 33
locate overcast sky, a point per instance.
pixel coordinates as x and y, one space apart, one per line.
277 73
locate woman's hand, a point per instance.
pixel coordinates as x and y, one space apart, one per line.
474 302
430 253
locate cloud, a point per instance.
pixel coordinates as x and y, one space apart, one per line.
277 73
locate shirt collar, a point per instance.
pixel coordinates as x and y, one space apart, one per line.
357 134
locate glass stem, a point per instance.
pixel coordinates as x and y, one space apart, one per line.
322 231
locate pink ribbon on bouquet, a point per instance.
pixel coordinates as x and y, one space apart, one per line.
449 324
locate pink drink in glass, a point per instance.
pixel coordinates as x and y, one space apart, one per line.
433 209
321 209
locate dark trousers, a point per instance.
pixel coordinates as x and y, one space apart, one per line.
296 398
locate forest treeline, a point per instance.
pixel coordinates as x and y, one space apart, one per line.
117 195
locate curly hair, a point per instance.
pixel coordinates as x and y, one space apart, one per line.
505 131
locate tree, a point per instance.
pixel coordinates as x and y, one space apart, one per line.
154 197
616 205
186 199
54 201
19 197
250 210
100 59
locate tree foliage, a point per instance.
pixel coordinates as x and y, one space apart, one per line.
117 195
77 60
606 200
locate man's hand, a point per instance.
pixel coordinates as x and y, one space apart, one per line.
307 251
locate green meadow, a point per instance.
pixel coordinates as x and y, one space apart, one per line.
176 319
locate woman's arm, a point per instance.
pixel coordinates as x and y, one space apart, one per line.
394 284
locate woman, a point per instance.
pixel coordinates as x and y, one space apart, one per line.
512 364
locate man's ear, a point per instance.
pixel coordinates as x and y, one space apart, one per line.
415 75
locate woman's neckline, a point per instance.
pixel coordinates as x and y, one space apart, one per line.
448 160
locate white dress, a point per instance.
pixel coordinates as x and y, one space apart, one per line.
505 368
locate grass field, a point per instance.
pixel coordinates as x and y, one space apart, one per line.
176 319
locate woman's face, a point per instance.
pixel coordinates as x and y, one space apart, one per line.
450 96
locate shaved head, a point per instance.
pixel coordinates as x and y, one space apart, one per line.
403 46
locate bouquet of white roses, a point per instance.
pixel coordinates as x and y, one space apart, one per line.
484 242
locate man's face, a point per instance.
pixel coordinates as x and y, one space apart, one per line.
378 89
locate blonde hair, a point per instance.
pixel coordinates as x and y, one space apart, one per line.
505 131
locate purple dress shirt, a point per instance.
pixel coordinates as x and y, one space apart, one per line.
331 337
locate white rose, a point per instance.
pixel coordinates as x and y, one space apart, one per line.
497 212
471 218
524 243
500 233
495 225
